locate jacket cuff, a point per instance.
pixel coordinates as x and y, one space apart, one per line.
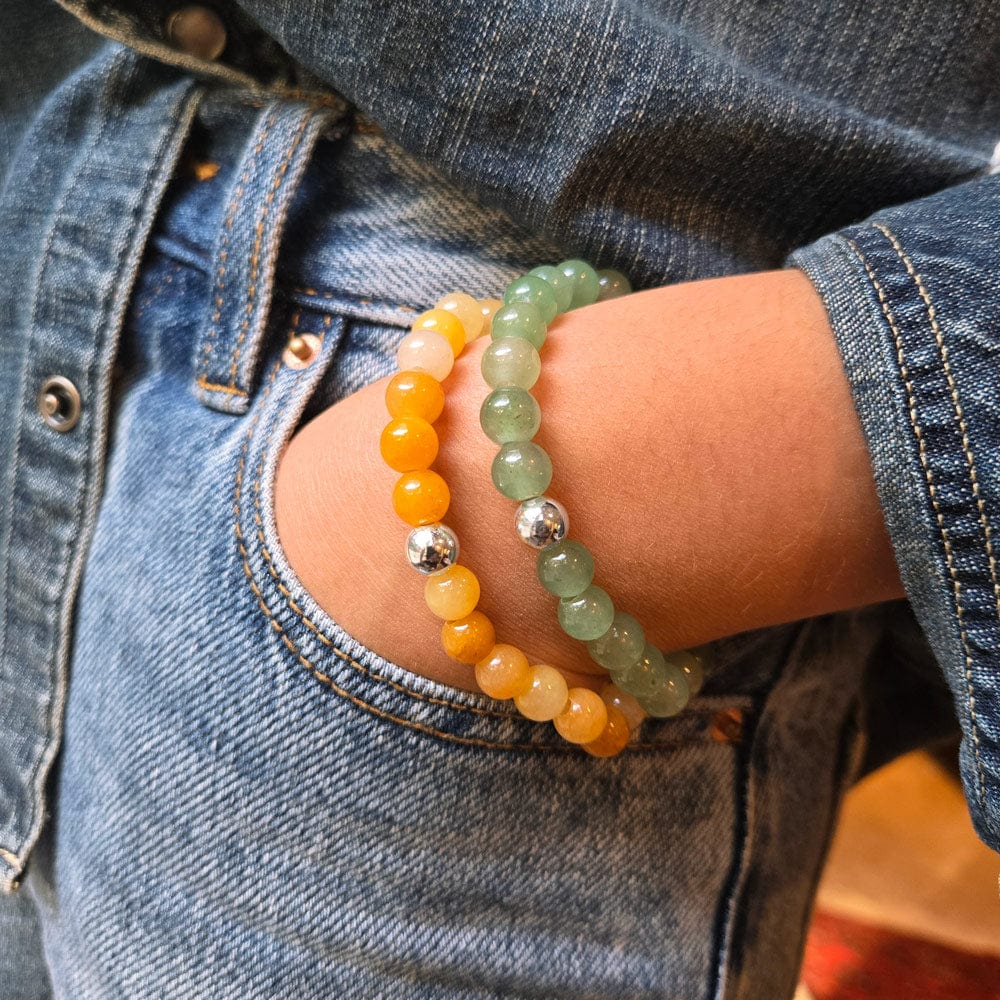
914 302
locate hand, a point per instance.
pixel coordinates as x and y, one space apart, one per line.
704 441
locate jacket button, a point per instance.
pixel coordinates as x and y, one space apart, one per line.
59 403
197 31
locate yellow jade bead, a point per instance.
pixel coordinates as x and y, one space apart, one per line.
626 703
414 394
546 697
584 717
466 308
489 308
469 639
504 672
408 444
443 322
452 593
420 497
613 737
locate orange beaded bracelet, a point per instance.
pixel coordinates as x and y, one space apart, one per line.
409 444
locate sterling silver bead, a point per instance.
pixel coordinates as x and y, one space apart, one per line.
432 548
541 521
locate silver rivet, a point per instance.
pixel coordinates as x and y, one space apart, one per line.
301 350
197 31
59 403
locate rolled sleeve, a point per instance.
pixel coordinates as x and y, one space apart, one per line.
913 296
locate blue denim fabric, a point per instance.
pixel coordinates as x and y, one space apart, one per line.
246 801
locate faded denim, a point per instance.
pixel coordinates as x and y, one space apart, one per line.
245 801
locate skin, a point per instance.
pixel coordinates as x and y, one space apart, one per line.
704 442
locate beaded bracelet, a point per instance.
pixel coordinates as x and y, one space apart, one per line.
600 723
522 471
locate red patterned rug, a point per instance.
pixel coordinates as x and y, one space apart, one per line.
847 960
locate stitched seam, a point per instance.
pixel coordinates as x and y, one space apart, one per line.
229 390
327 680
932 489
959 412
155 293
363 300
251 292
223 255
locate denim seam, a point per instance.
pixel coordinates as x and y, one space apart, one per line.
175 268
41 759
345 657
259 230
939 516
220 274
959 412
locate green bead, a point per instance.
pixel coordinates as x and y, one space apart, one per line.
621 646
559 283
691 665
521 470
671 693
519 319
511 361
535 291
565 568
588 615
644 675
584 281
510 414
612 284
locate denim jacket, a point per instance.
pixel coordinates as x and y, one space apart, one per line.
675 141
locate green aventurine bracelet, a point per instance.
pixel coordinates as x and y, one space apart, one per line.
522 471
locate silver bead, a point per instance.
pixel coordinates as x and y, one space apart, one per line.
432 548
542 521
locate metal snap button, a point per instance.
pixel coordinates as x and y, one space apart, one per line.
301 350
197 31
59 403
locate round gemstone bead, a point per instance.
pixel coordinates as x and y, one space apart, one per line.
510 414
559 283
468 312
546 697
626 703
670 696
511 361
443 322
408 443
519 319
432 548
414 394
421 497
565 568
537 291
691 664
621 645
504 672
541 521
644 676
588 615
489 309
468 639
583 718
612 284
452 593
584 281
426 351
521 469
614 736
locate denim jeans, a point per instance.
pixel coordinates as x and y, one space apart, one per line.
247 802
